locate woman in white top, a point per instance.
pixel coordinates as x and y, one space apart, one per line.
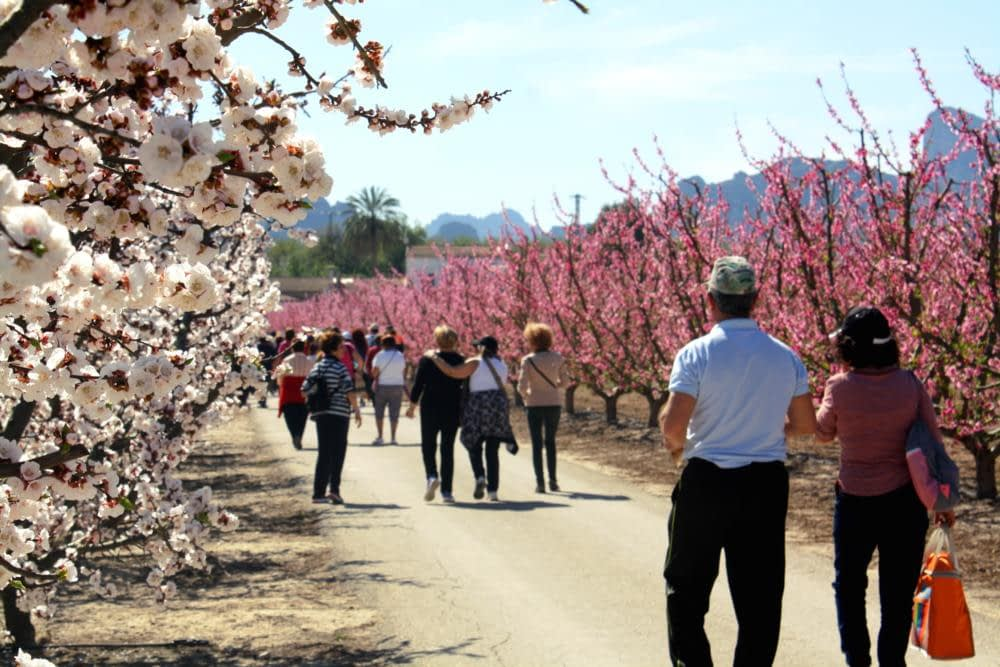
388 368
485 415
290 375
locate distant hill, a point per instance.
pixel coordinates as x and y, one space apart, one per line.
491 225
452 231
318 218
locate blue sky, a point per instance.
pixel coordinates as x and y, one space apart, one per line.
587 88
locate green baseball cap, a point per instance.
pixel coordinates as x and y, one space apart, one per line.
732 275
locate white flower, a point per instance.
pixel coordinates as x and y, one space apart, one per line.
34 246
202 46
30 471
161 158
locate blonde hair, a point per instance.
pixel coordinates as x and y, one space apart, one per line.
538 335
445 336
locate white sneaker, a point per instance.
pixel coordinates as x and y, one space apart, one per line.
480 489
432 487
493 497
376 442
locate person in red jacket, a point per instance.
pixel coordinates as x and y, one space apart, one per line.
291 403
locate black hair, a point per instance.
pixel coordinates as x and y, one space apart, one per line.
734 305
299 345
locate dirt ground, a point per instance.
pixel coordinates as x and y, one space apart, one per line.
631 450
273 583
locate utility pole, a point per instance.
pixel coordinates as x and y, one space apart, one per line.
576 217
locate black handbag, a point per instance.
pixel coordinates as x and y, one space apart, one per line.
319 399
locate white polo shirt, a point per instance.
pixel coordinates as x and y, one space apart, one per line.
744 381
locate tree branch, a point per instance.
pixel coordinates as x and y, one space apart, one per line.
20 21
365 58
47 461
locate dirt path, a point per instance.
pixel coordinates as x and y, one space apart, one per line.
556 579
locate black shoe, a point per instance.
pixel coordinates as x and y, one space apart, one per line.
553 486
539 488
336 499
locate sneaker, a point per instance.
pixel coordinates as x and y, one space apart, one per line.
480 488
377 441
539 488
553 486
432 487
447 497
321 501
394 443
335 499
493 497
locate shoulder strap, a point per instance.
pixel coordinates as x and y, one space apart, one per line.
496 376
544 376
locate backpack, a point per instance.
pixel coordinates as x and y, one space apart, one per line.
318 399
934 474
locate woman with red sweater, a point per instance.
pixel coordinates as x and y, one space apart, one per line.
291 403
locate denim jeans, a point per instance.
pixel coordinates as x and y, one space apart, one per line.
331 438
895 523
742 511
543 422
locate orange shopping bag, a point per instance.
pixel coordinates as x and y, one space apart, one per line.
942 626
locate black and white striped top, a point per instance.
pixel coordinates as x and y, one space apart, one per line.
338 385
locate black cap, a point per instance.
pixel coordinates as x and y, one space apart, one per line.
487 342
865 325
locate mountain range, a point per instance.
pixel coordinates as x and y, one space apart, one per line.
737 191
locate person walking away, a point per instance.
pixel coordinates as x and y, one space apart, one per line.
290 374
486 414
361 346
388 368
285 345
372 337
369 358
870 408
735 394
333 421
440 400
267 352
543 373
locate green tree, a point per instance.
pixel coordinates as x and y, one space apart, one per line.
374 224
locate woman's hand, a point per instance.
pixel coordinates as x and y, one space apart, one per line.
944 518
410 411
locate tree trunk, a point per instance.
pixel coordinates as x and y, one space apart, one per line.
18 622
569 400
986 473
610 406
655 403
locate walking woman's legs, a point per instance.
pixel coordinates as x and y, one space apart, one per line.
324 455
492 464
339 428
429 426
535 421
552 413
448 431
900 557
853 546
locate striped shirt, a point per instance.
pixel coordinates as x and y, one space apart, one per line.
338 385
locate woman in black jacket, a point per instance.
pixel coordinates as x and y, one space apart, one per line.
440 399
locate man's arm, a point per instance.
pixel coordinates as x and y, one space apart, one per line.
674 420
801 419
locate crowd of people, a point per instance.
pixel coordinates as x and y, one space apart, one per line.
736 396
452 392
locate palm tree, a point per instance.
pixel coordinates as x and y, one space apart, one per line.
373 222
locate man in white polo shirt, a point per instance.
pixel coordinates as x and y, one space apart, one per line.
735 394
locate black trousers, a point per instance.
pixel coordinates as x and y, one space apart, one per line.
741 511
432 423
895 523
331 436
543 422
295 419
492 471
